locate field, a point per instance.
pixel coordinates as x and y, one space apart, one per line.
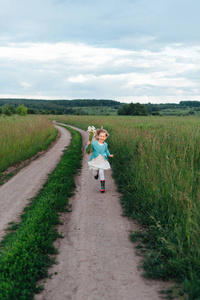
23 137
156 167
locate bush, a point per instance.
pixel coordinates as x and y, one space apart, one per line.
8 109
22 110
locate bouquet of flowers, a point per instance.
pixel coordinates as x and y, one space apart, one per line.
92 133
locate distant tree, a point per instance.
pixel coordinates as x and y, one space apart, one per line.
53 112
190 103
132 109
42 112
151 108
32 111
155 113
22 110
140 110
191 112
8 109
0 110
121 111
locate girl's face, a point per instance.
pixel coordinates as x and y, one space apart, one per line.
102 137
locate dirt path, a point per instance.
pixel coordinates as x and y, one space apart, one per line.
15 194
96 258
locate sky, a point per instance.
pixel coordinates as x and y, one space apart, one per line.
125 50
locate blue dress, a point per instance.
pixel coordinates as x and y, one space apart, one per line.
98 159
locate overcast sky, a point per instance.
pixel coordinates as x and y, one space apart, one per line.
126 50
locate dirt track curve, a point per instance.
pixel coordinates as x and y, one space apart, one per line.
15 194
96 259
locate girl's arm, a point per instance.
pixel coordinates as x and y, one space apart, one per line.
88 143
107 152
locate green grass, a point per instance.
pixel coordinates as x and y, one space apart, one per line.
25 251
23 137
156 167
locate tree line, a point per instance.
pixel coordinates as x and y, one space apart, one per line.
57 106
76 106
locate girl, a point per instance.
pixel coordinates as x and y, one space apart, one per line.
98 161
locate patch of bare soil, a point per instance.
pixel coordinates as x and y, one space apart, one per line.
15 194
96 259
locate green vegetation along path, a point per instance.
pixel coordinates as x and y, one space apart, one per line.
15 194
96 259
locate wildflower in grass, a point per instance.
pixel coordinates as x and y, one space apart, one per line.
92 133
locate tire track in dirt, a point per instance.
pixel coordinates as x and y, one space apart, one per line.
15 194
96 259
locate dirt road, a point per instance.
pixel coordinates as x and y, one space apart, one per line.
15 194
96 258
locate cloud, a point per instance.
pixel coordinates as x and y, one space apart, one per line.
25 84
71 70
122 49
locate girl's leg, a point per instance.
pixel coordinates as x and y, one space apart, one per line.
102 179
101 174
95 174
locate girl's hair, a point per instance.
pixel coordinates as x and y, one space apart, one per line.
102 130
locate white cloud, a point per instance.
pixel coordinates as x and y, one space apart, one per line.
81 78
85 71
25 84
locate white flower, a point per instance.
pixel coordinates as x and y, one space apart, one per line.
92 133
91 129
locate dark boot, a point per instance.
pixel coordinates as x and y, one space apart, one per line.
102 190
97 176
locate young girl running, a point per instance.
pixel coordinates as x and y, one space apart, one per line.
98 161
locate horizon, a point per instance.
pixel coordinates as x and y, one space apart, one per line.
32 99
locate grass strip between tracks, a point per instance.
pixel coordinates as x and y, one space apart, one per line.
25 251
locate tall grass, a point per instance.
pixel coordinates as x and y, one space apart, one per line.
22 137
156 165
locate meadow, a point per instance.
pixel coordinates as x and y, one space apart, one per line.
23 137
156 166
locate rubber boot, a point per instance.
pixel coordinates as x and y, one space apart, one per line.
97 176
102 190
